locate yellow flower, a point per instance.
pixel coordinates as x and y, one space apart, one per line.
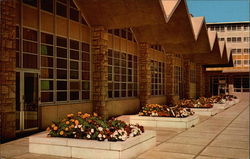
86 115
95 114
66 129
55 128
53 125
72 126
61 132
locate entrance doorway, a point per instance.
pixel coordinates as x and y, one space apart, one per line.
26 101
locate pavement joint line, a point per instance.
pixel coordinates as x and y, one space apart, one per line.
231 147
221 131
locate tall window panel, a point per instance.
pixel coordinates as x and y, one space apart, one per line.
47 5
47 68
61 8
85 71
177 80
74 70
122 74
61 68
157 78
74 13
192 76
29 48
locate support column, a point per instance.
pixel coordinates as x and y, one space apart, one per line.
198 80
7 70
145 73
203 83
100 70
186 78
170 78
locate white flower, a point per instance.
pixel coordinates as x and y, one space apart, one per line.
82 129
79 126
124 137
92 130
131 135
104 136
99 135
88 136
119 131
100 128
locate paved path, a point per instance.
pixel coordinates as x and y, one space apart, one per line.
225 135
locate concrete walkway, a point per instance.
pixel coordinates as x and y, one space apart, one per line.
225 135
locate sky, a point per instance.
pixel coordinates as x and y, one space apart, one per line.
220 10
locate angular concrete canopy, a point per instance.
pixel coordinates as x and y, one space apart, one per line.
223 52
214 57
177 30
122 13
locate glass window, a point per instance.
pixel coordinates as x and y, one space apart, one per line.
74 14
31 2
61 41
47 38
29 34
47 5
61 9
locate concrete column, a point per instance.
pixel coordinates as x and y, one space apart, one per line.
198 80
100 70
170 78
186 78
7 70
145 73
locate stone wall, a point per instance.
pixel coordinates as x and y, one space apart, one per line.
169 78
7 69
145 74
100 70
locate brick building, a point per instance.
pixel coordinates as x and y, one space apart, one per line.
110 57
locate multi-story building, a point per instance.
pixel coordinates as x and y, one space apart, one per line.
233 79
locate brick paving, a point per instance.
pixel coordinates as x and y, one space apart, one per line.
225 135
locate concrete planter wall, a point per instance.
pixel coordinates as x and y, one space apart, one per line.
89 149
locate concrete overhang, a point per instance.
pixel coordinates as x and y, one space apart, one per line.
214 57
200 45
177 30
114 14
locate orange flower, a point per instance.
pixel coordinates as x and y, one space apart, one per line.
95 114
55 128
67 122
86 115
79 113
72 126
70 115
61 132
72 120
76 122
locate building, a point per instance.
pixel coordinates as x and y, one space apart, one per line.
65 56
232 79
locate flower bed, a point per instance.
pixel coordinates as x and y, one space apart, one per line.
93 127
156 110
201 102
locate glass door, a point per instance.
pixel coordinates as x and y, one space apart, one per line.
26 101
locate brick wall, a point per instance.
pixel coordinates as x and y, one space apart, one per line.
144 73
100 70
7 69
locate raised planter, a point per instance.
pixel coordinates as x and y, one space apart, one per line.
163 122
221 106
236 100
90 149
231 103
206 111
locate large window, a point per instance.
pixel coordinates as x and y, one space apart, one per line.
241 84
47 68
157 78
47 5
85 71
124 33
177 80
61 8
192 76
122 74
29 48
31 2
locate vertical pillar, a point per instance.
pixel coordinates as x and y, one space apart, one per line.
198 80
230 84
203 82
186 78
145 73
170 78
100 70
7 70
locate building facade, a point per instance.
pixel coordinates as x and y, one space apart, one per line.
232 79
55 60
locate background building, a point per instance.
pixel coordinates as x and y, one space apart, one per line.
232 79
